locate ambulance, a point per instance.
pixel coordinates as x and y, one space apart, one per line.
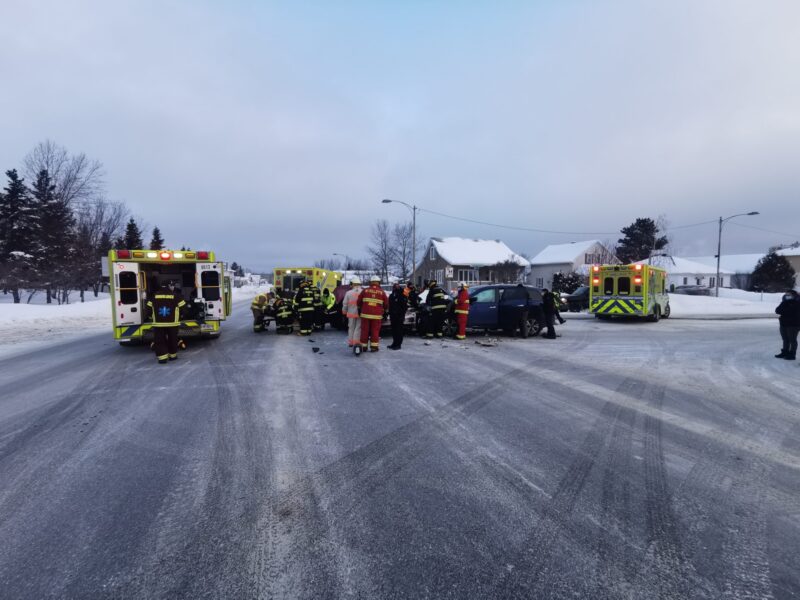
635 290
134 275
287 279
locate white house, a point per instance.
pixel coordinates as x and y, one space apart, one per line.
566 258
682 271
453 259
738 268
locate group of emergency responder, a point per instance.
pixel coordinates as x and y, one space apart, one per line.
364 308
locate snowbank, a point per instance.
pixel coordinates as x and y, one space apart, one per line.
699 307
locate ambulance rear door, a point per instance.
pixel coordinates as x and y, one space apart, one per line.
210 288
127 294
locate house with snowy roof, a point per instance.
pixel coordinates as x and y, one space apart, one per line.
736 270
567 258
792 254
682 271
453 259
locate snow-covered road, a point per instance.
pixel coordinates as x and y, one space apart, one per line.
622 460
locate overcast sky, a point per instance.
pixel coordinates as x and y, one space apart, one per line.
270 132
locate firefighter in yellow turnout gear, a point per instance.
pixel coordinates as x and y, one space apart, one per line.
259 307
165 307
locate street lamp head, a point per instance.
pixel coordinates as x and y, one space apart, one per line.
386 200
755 212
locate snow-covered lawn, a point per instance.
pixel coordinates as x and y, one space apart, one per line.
24 324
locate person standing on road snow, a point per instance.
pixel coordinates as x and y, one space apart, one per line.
304 304
398 305
350 312
789 311
437 302
462 310
165 307
372 304
550 310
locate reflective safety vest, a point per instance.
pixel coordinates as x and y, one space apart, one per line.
283 309
350 303
436 298
373 302
165 308
462 302
304 299
328 300
317 297
260 302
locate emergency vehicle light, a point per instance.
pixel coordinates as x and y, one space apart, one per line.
138 254
638 267
637 280
152 254
165 255
123 253
596 269
596 281
202 255
178 255
190 255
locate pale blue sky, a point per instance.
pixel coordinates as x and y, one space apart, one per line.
270 131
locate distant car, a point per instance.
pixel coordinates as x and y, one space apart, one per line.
692 290
578 300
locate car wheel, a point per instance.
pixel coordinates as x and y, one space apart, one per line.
666 311
449 327
535 326
656 316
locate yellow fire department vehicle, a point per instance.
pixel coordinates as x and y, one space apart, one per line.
136 274
628 290
287 279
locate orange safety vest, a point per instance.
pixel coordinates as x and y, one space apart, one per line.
462 302
373 302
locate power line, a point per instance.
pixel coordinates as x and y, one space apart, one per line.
789 235
532 229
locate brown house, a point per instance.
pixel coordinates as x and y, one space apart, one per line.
451 260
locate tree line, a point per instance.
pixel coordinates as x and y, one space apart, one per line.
56 223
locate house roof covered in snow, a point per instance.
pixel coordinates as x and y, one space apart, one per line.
789 251
476 253
676 264
556 254
734 263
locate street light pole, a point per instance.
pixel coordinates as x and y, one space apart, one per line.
346 260
413 210
719 244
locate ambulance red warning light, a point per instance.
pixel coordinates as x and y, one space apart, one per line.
165 255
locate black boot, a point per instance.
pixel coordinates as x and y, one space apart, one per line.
781 355
790 356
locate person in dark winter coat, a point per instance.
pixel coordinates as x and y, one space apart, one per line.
549 308
789 311
398 305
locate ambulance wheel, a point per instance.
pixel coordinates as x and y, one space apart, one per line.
666 312
656 316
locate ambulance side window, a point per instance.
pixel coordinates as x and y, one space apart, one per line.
209 280
624 286
608 286
128 287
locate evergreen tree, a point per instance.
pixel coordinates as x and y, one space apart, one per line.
19 228
157 242
640 241
56 235
133 237
566 283
773 273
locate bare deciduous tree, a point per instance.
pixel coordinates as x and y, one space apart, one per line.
381 252
402 239
77 178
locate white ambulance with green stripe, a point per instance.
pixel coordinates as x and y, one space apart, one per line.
635 290
134 275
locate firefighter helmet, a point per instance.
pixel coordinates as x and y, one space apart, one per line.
374 279
355 281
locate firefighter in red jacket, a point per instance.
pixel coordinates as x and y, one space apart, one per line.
165 307
372 304
462 310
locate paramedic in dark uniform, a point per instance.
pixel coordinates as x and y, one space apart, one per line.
165 307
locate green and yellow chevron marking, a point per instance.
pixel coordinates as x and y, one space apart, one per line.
616 306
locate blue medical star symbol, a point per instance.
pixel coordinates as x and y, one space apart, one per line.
163 311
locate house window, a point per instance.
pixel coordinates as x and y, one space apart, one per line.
432 255
697 279
439 275
685 280
721 282
591 258
540 282
711 281
467 275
